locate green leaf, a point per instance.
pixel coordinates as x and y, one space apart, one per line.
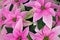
40 24
9 30
54 18
29 37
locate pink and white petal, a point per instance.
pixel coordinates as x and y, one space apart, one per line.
32 35
48 5
41 2
54 5
33 4
17 12
14 8
23 14
26 31
39 36
37 4
3 31
56 30
45 30
53 13
5 12
47 19
37 16
9 36
52 35
19 26
16 33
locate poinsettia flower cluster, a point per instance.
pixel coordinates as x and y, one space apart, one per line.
14 15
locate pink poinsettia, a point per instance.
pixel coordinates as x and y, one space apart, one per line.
42 10
3 15
46 34
13 18
18 33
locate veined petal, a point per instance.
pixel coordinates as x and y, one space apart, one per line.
57 32
26 31
41 1
17 12
48 5
54 5
37 16
32 35
23 14
18 28
45 30
52 35
16 33
9 36
47 19
35 4
52 11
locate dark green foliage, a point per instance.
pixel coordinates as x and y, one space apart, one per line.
11 7
9 30
40 24
32 28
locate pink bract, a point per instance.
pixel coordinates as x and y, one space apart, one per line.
18 32
42 10
46 34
